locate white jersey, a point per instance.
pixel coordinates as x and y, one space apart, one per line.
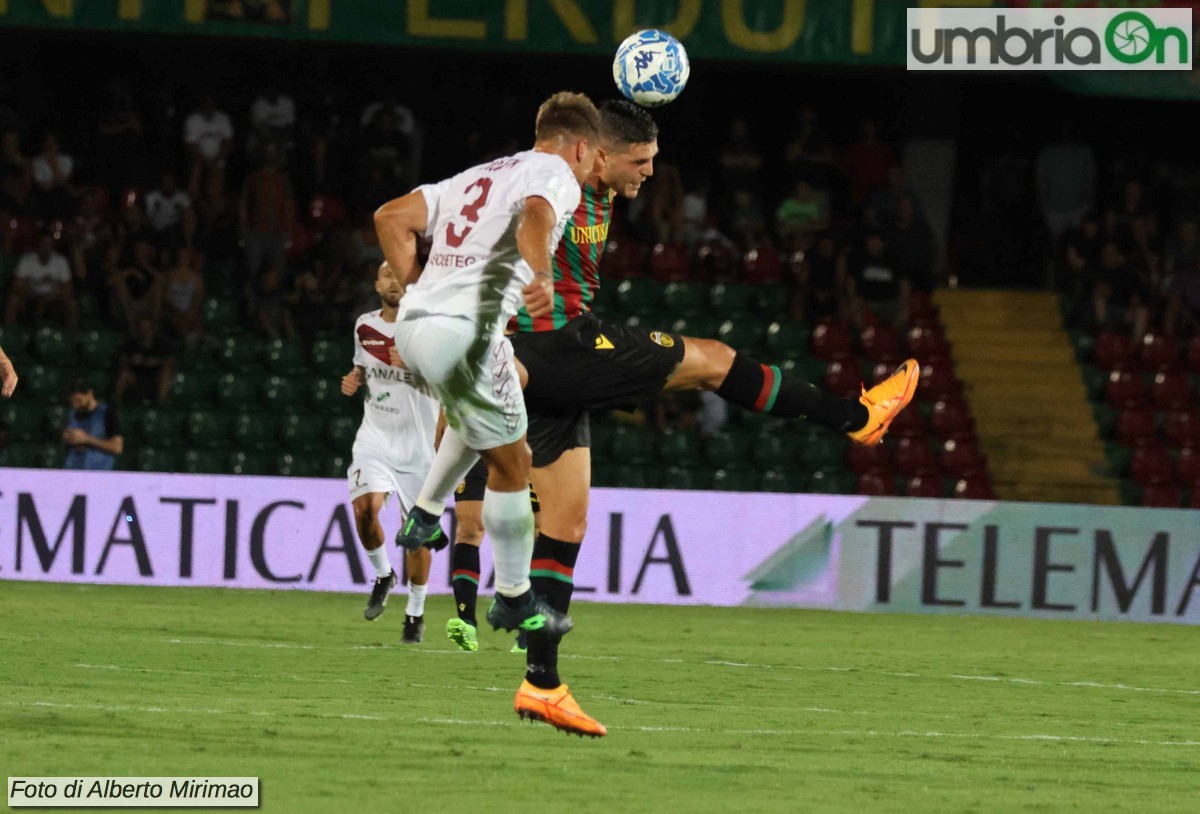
474 270
399 420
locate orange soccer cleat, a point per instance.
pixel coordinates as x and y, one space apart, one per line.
884 402
556 707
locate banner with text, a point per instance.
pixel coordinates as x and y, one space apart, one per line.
649 546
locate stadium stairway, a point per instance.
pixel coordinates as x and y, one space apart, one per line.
1027 395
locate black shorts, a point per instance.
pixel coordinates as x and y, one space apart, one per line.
594 365
476 481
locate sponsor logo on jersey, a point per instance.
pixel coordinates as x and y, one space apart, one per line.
602 343
660 338
375 343
583 235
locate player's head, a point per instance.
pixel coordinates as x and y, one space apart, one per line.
388 286
569 124
628 145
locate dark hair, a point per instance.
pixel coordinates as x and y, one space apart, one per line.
567 113
80 385
622 122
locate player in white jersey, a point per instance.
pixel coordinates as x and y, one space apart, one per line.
392 451
494 229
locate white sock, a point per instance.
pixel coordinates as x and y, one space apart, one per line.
416 599
453 461
508 521
379 559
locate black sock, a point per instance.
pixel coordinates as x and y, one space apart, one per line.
767 389
552 574
464 565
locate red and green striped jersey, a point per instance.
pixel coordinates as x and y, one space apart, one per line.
576 263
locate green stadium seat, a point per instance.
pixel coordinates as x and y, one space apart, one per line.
301 433
300 465
332 357
602 475
24 420
727 449
824 451
242 462
48 456
14 339
193 387
198 357
804 366
701 326
678 449
741 334
787 340
237 391
682 477
284 356
771 452
98 347
730 300
334 466
1094 380
684 299
283 394
162 428
131 422
45 383
54 421
90 315
205 461
208 430
638 296
340 432
601 437
775 480
629 445
734 480
240 354
255 431
158 459
771 300
54 346
632 477
19 455
830 482
219 313
325 397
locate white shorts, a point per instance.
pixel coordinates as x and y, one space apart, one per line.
475 378
368 475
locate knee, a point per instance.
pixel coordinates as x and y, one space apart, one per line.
365 517
468 534
511 468
716 359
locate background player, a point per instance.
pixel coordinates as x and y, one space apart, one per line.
494 228
392 451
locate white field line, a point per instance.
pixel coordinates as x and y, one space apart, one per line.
715 663
175 710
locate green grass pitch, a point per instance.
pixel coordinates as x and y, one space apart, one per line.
708 709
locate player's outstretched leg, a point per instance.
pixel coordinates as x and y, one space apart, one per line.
417 563
885 400
463 629
366 518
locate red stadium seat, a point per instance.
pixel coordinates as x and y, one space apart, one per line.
1193 355
864 459
927 344
1158 352
1161 496
1135 426
762 265
924 486
950 418
938 382
830 340
1151 464
1113 351
1194 502
880 342
843 378
914 457
962 459
326 210
908 424
1124 389
921 305
623 259
1188 465
878 484
669 262
1171 389
301 240
974 488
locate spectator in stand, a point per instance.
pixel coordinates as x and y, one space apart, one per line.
53 197
324 132
137 285
886 200
267 213
119 140
16 174
912 247
1066 182
816 284
405 122
1117 296
93 434
91 235
310 304
875 285
208 138
219 238
866 162
808 154
1183 288
678 411
169 211
1183 250
271 311
273 121
1081 252
664 210
386 155
1131 204
43 281
182 296
364 245
746 219
801 215
146 364
740 161
695 211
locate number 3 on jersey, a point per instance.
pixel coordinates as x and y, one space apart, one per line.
454 238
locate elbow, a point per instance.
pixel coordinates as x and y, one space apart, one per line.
118 447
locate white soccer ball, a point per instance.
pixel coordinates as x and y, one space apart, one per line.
651 68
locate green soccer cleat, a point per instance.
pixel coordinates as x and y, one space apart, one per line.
421 529
534 615
521 644
462 634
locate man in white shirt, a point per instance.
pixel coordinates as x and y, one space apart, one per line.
167 206
273 117
43 280
494 229
208 137
392 451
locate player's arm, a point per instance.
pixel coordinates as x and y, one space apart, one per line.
399 223
353 380
533 242
8 375
441 428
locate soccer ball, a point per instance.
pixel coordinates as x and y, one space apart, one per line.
651 68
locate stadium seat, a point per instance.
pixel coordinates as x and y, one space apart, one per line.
242 462
1135 425
685 299
198 357
1094 380
638 296
875 459
628 476
914 457
1161 496
741 334
731 300
682 477
285 356
162 428
240 354
929 485
974 488
332 357
878 484
98 347
703 326
962 459
340 432
297 465
219 313
880 343
777 480
208 430
762 266
824 451
950 418
908 424
843 378
14 339
1170 389
334 465
18 455
771 450
1182 426
325 397
1151 464
669 262
927 345
23 420
786 340
771 300
301 433
193 387
675 448
326 210
624 258
255 431
1084 345
1158 352
727 449
830 341
205 461
1187 465
920 304
629 445
237 391
1124 389
45 383
830 482
734 480
54 419
158 459
1113 351
938 382
282 394
54 346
